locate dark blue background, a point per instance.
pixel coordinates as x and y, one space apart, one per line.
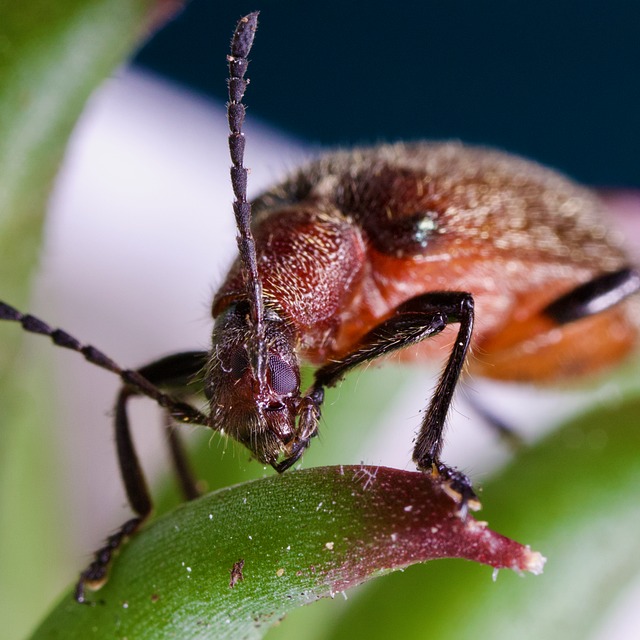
555 81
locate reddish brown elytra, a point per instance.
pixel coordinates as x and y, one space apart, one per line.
365 252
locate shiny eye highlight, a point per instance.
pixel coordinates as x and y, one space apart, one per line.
282 377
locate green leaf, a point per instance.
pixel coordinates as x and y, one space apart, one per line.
575 497
231 564
52 56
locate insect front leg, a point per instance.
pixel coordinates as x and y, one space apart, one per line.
413 321
173 372
458 308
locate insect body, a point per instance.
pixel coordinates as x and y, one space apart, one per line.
507 265
369 251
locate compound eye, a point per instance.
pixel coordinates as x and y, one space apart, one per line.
239 363
283 378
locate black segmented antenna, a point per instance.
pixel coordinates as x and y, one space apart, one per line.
240 46
178 410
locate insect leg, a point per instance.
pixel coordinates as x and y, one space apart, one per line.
178 372
413 321
174 371
186 478
458 308
594 296
404 328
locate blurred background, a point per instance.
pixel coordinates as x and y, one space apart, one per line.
556 82
140 227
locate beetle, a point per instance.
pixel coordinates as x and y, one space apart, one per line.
410 248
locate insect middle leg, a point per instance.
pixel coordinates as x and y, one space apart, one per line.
413 321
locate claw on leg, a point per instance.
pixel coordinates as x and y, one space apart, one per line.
457 486
96 574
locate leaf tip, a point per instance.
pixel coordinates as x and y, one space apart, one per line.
533 561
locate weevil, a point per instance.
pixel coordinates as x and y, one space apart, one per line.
411 248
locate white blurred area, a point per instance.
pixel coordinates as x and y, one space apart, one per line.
140 232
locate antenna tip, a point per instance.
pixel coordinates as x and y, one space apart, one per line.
244 34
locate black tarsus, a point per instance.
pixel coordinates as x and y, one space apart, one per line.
96 572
